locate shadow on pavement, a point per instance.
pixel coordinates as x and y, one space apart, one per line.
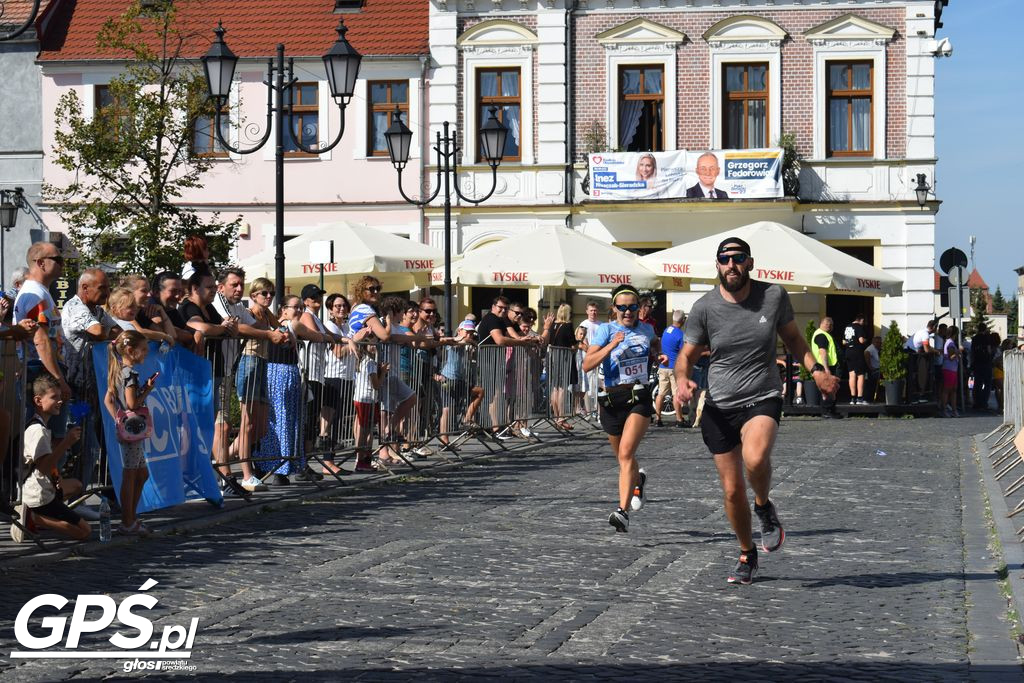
899 672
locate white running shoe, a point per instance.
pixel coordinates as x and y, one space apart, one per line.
637 501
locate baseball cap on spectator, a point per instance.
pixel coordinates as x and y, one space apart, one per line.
467 325
311 292
733 244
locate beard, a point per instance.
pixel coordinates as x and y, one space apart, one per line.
744 278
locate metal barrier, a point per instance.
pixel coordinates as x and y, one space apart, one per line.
279 406
1013 389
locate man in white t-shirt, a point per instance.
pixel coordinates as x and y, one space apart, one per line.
920 365
588 380
42 352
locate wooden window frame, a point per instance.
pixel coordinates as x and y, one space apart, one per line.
112 109
849 95
745 96
298 110
500 101
647 97
218 151
388 106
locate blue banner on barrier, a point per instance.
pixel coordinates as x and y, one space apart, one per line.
181 404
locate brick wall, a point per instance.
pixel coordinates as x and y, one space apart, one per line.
694 86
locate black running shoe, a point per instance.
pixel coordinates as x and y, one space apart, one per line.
772 533
745 568
620 520
231 484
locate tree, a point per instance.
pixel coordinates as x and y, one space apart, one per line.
998 302
892 360
979 306
132 161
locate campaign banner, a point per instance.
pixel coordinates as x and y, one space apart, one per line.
687 174
181 405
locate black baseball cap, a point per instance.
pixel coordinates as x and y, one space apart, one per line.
311 292
733 244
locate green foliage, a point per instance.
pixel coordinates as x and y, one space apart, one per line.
131 163
979 306
998 301
808 335
891 357
790 164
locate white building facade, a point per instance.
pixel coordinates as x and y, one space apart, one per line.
555 69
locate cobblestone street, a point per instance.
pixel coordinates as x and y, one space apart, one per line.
508 568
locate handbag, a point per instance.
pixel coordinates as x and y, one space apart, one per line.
133 425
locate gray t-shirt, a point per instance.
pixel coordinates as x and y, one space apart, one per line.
742 340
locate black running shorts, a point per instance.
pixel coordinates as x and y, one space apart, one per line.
721 428
613 420
856 363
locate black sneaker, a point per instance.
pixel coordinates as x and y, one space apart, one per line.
745 568
277 480
772 533
308 475
620 520
231 485
637 501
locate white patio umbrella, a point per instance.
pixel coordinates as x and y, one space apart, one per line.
782 256
549 257
399 263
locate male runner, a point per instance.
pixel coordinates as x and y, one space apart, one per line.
739 321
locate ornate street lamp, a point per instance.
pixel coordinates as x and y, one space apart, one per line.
341 63
25 25
493 136
922 190
11 202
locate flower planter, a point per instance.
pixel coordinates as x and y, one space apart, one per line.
893 392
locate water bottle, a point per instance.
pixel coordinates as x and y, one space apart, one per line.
104 520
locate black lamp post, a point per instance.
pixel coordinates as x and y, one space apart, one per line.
493 135
26 24
11 202
922 190
342 66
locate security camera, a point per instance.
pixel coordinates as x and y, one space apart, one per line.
944 48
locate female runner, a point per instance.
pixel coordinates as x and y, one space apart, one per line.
625 348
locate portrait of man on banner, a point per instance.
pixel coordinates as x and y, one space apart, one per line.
708 168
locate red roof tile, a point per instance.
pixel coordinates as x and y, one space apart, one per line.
255 27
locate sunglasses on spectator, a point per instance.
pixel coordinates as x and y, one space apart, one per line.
429 310
338 305
56 259
627 307
516 312
373 290
739 259
265 292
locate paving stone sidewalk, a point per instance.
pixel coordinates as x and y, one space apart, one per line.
507 568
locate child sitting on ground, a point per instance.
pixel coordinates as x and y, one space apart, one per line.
43 492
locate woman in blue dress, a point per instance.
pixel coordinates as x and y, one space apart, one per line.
281 449
625 348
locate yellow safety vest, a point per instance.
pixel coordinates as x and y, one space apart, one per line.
833 359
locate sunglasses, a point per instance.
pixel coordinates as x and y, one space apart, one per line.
373 290
56 259
627 307
429 310
739 259
265 292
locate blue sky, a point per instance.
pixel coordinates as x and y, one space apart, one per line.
979 112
